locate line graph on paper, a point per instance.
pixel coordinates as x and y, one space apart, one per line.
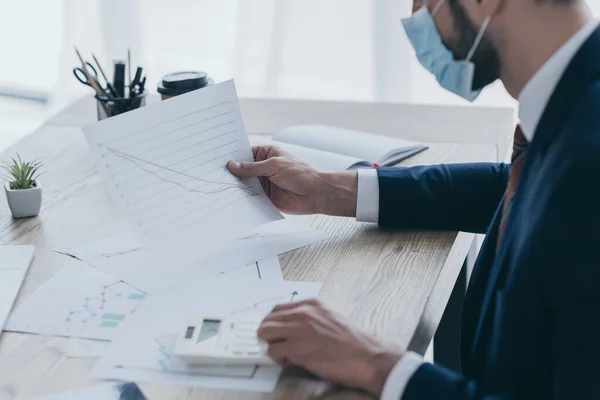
178 178
86 303
167 170
146 165
94 309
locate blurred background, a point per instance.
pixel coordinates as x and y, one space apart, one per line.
310 49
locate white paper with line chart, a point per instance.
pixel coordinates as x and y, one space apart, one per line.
165 167
142 351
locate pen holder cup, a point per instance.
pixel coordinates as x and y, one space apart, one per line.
118 106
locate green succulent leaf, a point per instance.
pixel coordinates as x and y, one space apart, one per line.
22 175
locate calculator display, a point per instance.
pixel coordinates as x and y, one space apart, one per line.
209 328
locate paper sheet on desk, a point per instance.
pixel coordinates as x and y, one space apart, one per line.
14 263
88 303
142 350
122 255
165 167
86 348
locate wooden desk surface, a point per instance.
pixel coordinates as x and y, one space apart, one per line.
394 284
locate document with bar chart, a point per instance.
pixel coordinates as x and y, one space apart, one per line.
165 167
77 301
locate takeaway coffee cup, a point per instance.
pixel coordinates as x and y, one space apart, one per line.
178 83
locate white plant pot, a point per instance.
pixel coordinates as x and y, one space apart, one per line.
26 202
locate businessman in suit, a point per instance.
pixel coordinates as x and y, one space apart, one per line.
531 320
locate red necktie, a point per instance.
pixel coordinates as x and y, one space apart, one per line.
517 161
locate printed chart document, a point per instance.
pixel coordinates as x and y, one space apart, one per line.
123 255
88 303
14 263
330 148
85 303
142 351
165 167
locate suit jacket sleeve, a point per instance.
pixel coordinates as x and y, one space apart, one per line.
564 255
461 197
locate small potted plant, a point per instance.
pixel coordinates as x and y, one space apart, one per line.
23 189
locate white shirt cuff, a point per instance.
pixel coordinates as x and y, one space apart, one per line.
401 373
367 202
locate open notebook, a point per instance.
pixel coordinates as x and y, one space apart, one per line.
336 149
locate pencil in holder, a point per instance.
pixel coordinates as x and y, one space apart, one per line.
109 107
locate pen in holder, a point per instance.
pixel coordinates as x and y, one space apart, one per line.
112 98
109 107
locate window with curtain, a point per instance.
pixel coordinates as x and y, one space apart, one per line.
314 49
338 49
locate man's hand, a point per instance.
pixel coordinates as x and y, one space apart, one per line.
297 188
306 334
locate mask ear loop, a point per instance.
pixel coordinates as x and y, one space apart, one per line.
479 37
437 7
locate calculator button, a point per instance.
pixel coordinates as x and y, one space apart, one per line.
255 350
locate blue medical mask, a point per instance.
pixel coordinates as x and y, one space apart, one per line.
453 75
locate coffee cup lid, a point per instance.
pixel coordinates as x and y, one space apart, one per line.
183 82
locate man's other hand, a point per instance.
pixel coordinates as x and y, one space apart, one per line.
296 187
307 335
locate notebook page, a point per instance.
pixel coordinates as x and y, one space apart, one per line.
362 145
322 160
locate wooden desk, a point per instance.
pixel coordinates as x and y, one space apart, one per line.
394 284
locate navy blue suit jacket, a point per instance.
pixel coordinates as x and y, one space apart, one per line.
531 319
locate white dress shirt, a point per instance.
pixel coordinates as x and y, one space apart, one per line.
532 102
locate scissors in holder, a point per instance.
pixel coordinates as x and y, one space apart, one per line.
81 77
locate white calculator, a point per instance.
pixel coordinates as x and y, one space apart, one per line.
222 341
